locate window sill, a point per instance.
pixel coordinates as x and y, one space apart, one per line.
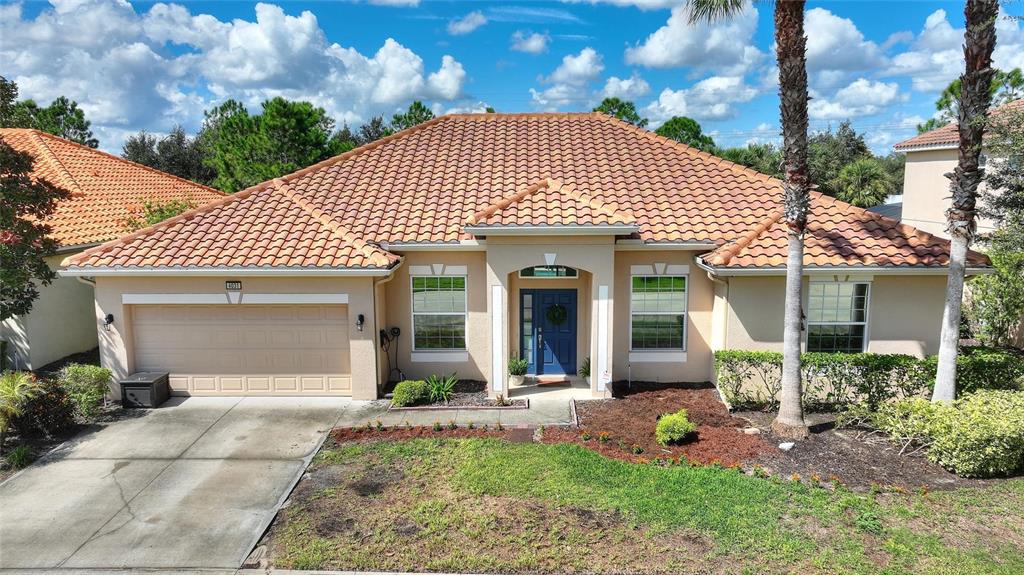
445 356
657 356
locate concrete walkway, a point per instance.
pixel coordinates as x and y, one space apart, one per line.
190 485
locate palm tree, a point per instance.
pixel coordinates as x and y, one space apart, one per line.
863 183
975 99
791 54
16 388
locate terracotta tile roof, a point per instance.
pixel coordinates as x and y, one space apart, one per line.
949 135
549 203
425 184
838 234
105 190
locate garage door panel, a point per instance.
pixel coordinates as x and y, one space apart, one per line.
243 349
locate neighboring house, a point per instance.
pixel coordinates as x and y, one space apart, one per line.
557 237
105 191
929 157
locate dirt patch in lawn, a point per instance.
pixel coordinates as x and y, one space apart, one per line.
630 418
367 514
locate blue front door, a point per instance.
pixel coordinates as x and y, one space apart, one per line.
547 324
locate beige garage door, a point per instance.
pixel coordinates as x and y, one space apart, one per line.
245 349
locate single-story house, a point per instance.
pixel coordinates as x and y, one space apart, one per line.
559 238
105 192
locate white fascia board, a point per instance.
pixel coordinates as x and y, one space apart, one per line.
832 270
224 271
926 147
464 245
550 230
640 245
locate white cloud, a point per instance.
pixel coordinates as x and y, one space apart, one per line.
530 42
131 70
628 88
710 99
935 58
861 98
570 82
725 47
835 43
467 23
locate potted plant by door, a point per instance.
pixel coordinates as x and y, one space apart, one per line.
516 371
584 370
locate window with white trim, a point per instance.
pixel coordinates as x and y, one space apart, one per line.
658 313
837 316
438 312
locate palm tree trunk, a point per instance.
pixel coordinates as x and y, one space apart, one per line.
791 52
975 98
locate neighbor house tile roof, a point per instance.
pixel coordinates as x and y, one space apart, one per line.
105 190
428 183
949 135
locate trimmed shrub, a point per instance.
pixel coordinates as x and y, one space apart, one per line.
517 365
750 379
87 385
979 435
410 392
674 427
50 412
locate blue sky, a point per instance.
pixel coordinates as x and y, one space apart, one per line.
144 65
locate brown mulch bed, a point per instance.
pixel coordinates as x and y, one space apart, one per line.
630 419
841 453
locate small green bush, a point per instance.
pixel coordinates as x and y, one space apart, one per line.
19 457
49 412
517 365
441 387
410 392
979 435
674 427
87 385
584 370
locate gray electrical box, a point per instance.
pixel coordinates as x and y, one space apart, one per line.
145 389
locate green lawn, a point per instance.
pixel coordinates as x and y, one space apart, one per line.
485 505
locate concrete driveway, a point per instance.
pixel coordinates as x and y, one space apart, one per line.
190 485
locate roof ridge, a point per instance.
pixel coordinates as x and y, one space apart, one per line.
48 154
44 135
372 252
690 150
107 246
507 200
624 216
725 253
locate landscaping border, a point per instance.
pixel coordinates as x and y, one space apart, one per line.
461 407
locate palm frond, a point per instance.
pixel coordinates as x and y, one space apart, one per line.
713 10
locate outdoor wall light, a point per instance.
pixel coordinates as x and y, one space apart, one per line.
108 320
360 320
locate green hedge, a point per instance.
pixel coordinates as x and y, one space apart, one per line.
752 379
410 392
979 435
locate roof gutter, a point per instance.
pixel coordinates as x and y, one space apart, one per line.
629 245
463 245
598 230
225 270
829 270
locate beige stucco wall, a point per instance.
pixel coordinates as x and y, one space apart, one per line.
926 191
700 303
398 305
116 351
904 313
61 323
